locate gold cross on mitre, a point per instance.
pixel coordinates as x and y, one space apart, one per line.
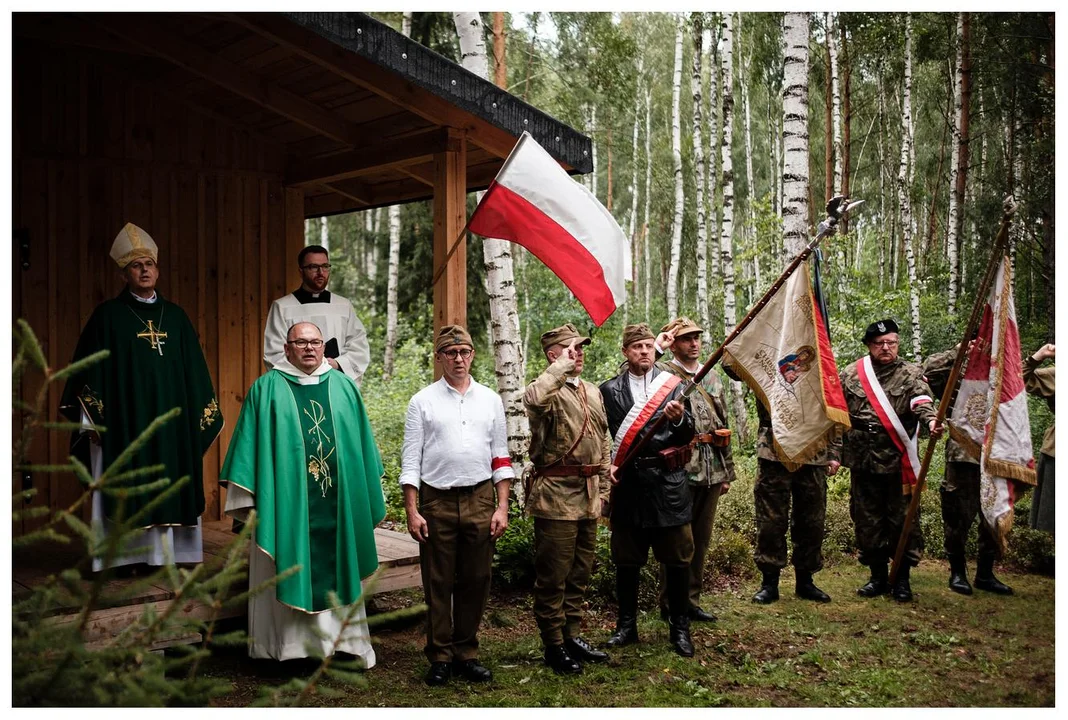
154 337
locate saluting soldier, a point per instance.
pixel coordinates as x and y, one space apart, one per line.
571 452
711 469
888 399
960 500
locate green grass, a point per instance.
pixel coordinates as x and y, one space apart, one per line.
942 650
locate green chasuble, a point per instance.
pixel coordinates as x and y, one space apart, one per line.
155 365
307 456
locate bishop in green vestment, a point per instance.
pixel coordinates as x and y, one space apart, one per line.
303 456
155 365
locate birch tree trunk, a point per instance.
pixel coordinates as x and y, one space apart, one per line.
324 233
592 129
714 87
795 134
676 154
903 192
751 194
726 248
955 199
646 263
371 250
392 274
500 283
836 103
635 240
699 172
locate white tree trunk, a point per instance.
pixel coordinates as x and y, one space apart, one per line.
750 204
676 154
646 263
391 290
795 134
371 249
903 192
726 249
500 282
836 106
954 211
714 88
592 129
632 221
708 61
699 179
324 233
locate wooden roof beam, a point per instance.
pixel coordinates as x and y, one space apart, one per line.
370 158
166 44
382 82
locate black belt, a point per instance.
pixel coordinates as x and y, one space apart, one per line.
648 462
865 426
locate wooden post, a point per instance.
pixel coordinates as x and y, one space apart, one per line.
450 216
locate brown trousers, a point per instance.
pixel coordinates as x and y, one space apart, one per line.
563 560
705 502
455 564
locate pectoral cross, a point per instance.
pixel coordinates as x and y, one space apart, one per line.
154 337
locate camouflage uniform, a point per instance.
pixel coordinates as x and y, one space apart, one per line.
877 504
1041 382
708 469
960 486
775 487
565 507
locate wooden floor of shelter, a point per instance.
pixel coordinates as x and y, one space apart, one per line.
398 567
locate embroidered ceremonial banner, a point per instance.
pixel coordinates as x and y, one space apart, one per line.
989 418
641 413
907 445
785 356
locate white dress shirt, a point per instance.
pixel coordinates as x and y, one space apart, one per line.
454 440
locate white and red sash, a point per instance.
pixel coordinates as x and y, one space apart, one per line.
908 446
640 413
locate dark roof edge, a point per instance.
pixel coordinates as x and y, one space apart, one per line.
371 39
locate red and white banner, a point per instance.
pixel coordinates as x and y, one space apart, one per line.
785 356
989 417
641 413
907 445
534 203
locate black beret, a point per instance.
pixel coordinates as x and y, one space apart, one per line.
881 327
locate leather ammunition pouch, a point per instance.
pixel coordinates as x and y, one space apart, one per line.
720 437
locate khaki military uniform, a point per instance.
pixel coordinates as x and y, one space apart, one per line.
877 504
1041 382
711 466
775 490
960 486
564 496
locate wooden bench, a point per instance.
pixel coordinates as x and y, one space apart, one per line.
398 568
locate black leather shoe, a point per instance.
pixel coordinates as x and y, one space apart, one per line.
696 613
805 589
985 579
471 670
438 674
958 575
877 584
902 591
560 661
769 588
582 651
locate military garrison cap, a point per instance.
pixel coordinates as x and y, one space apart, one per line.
452 335
562 335
882 327
634 333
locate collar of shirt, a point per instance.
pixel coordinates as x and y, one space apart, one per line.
304 297
573 381
287 368
676 362
147 301
639 385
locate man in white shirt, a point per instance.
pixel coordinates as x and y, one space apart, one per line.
455 456
346 347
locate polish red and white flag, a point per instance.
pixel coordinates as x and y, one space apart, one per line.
533 202
990 419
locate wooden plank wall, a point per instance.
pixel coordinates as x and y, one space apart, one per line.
92 151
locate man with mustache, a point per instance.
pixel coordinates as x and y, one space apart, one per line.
304 458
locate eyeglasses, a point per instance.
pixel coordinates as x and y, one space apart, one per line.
884 343
452 354
316 344
325 267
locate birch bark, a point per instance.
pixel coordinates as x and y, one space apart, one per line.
699 172
676 154
903 186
